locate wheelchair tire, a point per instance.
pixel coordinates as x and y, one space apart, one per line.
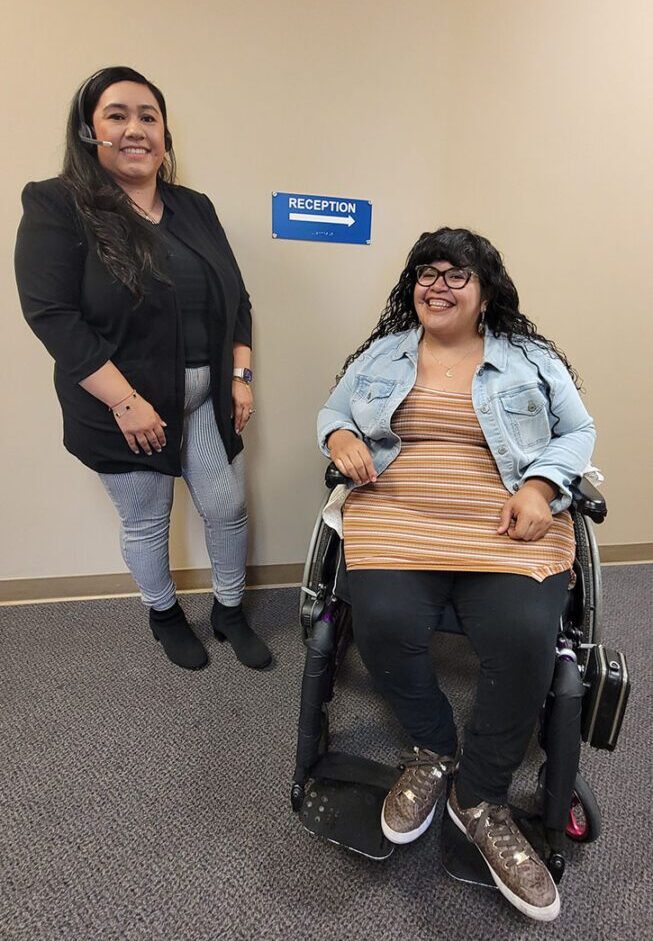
319 574
587 568
584 824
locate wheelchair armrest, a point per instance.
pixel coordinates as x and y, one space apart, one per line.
588 500
333 477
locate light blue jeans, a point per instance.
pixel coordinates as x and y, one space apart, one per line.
144 501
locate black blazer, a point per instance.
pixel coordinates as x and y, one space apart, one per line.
85 317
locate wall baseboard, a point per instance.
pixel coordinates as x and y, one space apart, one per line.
77 587
633 552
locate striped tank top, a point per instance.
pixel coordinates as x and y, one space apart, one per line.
437 506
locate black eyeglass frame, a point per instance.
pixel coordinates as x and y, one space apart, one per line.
420 269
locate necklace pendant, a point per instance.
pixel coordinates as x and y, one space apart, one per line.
449 374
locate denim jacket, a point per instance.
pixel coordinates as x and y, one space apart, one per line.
531 430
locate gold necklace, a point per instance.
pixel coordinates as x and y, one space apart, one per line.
448 370
147 215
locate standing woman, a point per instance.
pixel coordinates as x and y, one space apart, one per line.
130 283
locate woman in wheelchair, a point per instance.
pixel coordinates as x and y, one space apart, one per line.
461 428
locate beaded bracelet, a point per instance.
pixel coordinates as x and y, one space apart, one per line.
128 396
116 414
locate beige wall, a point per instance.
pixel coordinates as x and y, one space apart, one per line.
553 161
529 121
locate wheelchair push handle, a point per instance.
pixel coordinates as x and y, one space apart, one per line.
584 496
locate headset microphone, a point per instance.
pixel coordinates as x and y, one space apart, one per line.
92 140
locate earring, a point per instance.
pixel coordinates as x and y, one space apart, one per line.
481 322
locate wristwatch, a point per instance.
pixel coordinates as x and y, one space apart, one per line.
244 374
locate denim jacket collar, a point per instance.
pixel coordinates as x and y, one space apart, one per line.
495 351
407 346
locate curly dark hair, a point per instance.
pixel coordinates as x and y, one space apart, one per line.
463 249
126 243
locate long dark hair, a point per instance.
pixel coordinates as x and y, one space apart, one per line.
463 249
126 243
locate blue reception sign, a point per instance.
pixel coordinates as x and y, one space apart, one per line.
321 218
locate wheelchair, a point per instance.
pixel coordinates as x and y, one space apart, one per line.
339 796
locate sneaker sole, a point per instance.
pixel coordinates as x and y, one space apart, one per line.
397 837
532 911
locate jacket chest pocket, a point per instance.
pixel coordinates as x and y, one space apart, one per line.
371 400
527 417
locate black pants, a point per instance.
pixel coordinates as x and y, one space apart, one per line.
511 621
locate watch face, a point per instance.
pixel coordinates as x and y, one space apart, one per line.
247 375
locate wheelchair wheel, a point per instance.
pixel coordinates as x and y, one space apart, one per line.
587 569
319 574
584 825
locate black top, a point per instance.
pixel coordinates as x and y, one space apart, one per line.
190 277
85 318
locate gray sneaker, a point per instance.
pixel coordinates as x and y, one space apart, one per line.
517 870
410 805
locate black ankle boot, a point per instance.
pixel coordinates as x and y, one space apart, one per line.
172 631
230 624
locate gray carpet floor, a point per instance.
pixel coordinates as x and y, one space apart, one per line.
142 802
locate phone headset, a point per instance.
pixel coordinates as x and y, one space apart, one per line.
85 131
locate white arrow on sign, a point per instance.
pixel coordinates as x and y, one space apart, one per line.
335 220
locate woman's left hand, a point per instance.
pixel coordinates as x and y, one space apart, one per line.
527 515
243 404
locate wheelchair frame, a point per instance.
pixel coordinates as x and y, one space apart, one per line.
327 631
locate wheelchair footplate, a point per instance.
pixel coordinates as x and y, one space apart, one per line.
462 860
343 802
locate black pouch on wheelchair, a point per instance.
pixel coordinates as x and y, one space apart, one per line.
607 683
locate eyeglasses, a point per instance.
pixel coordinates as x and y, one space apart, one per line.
454 278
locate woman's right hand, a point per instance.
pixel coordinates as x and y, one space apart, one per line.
351 456
141 425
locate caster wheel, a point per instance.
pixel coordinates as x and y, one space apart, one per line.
556 866
584 824
584 821
297 797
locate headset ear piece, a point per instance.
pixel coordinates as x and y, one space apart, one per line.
85 131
